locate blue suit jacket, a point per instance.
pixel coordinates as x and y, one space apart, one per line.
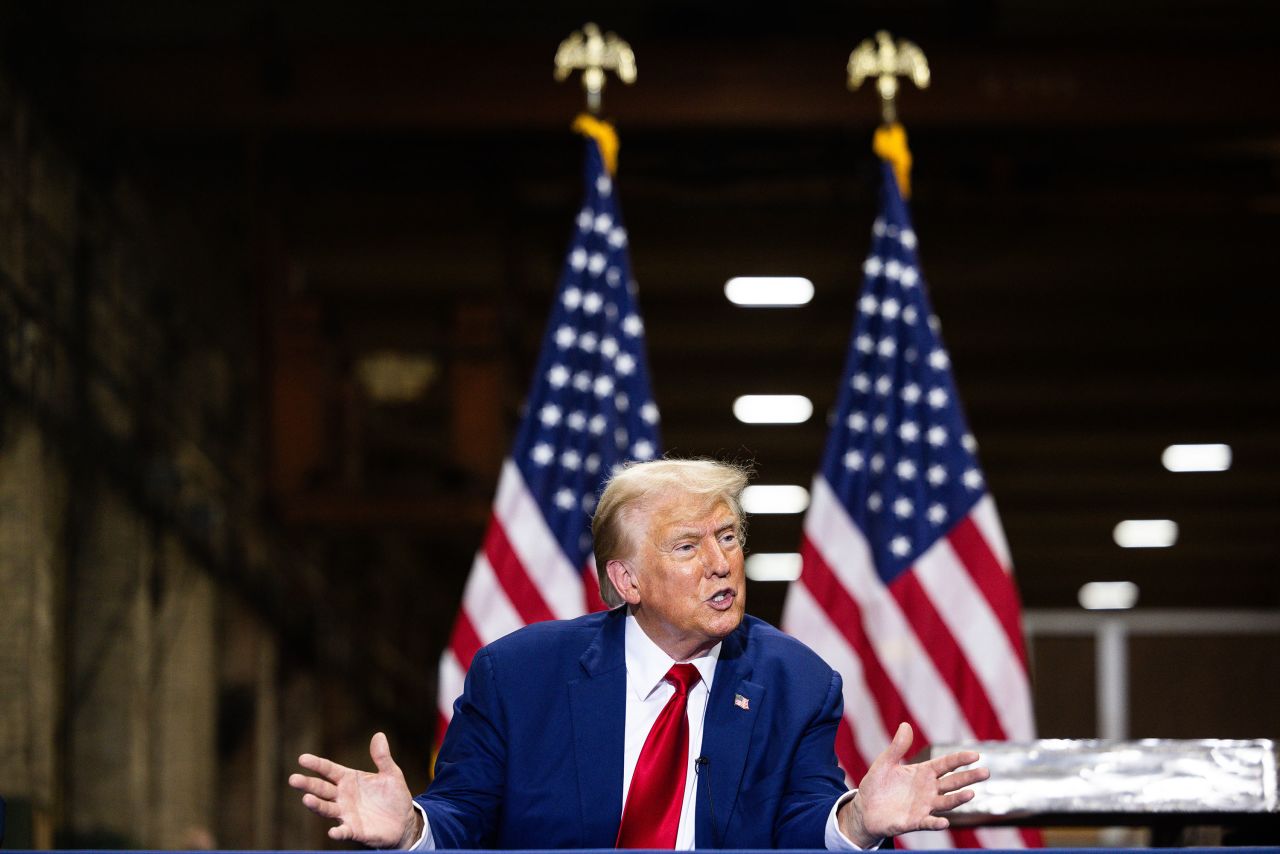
533 756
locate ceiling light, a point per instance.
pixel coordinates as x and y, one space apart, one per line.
1108 595
774 566
773 291
1213 457
772 408
762 498
1146 533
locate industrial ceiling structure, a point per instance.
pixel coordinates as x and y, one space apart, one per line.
1097 195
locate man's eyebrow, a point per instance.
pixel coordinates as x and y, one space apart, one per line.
681 533
728 523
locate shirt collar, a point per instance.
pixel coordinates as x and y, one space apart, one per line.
647 663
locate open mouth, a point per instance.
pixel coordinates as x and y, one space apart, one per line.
722 600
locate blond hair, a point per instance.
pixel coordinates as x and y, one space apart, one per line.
633 489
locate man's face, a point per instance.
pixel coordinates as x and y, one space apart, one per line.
687 574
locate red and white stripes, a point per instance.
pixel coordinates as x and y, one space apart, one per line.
519 576
939 647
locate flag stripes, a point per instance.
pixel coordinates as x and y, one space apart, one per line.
588 411
906 587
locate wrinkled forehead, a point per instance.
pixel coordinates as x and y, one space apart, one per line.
675 508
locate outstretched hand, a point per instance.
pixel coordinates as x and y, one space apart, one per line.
375 808
895 797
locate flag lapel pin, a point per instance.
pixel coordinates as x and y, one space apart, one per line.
742 702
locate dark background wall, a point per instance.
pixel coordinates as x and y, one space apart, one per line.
218 548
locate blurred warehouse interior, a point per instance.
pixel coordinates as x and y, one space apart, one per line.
272 277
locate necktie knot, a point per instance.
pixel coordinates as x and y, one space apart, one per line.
684 677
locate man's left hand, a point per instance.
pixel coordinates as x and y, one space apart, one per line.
895 797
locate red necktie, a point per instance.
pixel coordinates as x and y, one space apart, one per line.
652 814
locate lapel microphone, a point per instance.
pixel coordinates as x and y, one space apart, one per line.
698 765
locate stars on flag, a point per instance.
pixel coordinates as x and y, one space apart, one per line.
588 411
550 415
903 508
542 453
902 450
590 406
883 500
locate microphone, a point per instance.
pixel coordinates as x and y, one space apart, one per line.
698 765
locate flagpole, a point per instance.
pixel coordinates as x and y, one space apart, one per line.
906 585
886 60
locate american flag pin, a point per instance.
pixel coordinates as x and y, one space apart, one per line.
742 702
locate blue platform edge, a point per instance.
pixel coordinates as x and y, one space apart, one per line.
1243 849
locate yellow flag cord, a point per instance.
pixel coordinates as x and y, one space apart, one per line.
891 144
604 135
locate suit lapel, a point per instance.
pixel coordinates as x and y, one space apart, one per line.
598 705
732 710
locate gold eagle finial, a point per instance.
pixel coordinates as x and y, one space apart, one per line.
594 54
886 60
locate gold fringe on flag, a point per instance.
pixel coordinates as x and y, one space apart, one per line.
890 144
604 135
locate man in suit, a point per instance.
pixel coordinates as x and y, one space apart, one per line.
673 722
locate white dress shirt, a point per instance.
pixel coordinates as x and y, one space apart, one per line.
647 694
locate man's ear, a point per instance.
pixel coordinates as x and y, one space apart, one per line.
624 581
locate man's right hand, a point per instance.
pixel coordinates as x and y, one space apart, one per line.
374 809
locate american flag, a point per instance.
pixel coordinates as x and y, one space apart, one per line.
906 587
589 409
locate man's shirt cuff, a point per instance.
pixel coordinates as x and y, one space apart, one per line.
834 838
425 842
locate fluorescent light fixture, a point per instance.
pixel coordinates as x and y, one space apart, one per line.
773 566
768 291
1108 595
1146 533
1197 457
764 498
773 408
